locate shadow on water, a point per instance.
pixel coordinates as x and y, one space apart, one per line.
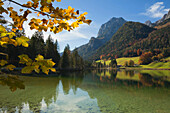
105 89
13 82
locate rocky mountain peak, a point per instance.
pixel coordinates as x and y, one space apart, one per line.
165 17
148 23
110 27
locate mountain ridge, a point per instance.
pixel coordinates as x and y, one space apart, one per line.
105 32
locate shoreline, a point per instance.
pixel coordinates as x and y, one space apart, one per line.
134 68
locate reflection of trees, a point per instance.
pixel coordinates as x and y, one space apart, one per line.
106 75
12 81
122 95
129 73
113 74
148 80
36 90
145 79
71 80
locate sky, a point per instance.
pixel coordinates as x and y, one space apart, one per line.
100 11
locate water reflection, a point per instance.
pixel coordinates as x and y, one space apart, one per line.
92 91
131 77
13 82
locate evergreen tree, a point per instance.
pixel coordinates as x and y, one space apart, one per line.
51 50
57 55
36 45
65 61
113 63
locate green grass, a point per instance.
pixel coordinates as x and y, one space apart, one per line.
120 61
167 59
159 65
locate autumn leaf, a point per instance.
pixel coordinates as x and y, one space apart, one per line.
27 69
22 40
3 62
10 67
2 29
39 58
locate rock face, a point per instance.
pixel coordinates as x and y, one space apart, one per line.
165 17
105 33
107 30
148 23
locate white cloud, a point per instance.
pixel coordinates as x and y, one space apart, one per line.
156 10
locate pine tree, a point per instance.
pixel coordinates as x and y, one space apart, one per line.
37 45
65 61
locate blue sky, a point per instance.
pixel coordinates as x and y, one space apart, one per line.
100 11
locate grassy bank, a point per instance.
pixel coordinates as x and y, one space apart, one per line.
120 61
153 65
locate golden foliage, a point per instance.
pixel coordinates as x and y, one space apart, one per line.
55 19
39 64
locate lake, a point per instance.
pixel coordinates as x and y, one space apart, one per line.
93 91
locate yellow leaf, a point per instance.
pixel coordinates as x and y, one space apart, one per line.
14 30
46 9
27 69
12 41
38 14
22 40
45 69
11 34
58 0
69 8
2 29
2 43
39 58
50 63
5 39
49 1
39 20
85 13
53 69
24 59
36 68
3 34
10 67
3 62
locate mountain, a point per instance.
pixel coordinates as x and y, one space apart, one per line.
129 34
106 31
157 39
148 23
133 36
165 17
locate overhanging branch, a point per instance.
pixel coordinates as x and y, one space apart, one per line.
29 8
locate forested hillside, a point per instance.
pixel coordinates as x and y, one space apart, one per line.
129 34
105 33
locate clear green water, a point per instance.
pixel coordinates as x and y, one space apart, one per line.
87 92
